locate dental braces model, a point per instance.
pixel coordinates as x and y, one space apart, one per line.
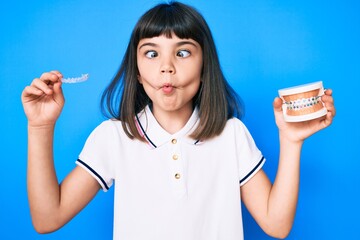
83 78
303 103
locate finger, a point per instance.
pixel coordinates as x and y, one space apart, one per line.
328 101
56 72
331 108
41 85
31 91
328 92
57 85
58 94
51 77
328 119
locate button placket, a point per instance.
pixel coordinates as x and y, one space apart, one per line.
177 172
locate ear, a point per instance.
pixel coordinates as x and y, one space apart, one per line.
139 79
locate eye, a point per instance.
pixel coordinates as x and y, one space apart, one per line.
183 53
151 54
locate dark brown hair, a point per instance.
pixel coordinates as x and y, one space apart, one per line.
215 100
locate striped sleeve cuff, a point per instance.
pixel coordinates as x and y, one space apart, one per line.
253 171
96 175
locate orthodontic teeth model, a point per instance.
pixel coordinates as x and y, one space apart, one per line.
302 103
83 78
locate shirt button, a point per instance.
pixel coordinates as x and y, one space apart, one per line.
174 141
175 157
177 175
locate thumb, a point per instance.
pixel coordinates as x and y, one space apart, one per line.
277 104
58 93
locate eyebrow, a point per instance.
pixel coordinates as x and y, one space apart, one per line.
178 44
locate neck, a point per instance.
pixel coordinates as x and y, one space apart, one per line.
172 121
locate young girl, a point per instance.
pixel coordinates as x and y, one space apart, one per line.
181 159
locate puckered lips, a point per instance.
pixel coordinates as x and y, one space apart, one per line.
167 88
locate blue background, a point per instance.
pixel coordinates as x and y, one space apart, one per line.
263 46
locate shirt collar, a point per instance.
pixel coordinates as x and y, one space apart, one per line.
156 136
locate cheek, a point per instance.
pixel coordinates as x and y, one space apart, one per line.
145 70
197 68
141 66
195 73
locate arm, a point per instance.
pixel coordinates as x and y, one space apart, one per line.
274 206
51 205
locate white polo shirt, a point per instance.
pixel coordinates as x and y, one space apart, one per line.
173 187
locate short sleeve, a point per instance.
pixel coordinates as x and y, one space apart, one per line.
250 158
97 156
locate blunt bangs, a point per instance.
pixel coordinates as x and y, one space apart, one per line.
166 19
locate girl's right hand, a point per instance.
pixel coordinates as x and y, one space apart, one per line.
43 100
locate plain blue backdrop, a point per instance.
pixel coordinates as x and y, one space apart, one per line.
264 45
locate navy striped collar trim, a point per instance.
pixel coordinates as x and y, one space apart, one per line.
156 136
143 132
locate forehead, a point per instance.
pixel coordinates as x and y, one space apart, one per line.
166 40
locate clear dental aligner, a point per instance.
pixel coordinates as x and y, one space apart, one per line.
302 103
83 78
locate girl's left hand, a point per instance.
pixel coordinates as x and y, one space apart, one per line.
299 131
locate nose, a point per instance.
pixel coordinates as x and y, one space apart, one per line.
167 66
167 70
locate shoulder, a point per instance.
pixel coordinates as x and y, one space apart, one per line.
107 128
236 124
110 123
236 128
106 135
235 121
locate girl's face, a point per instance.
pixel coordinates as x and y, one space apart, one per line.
170 72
